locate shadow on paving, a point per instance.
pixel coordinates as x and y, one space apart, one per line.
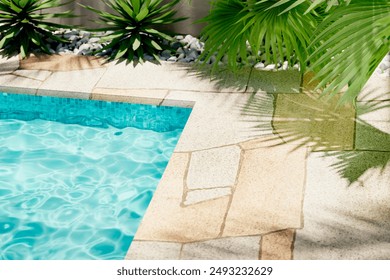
347 236
61 62
247 79
308 120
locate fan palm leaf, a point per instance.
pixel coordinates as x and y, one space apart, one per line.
349 46
260 27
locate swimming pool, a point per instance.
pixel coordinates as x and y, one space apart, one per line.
76 176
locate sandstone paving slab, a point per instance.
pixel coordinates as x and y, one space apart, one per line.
277 245
196 196
214 167
39 75
143 250
81 81
167 219
8 65
234 248
225 116
61 62
346 207
322 124
165 76
153 97
269 192
16 84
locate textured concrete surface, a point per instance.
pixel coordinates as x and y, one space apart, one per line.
346 208
144 250
377 88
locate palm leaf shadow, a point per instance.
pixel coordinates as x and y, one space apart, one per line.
318 123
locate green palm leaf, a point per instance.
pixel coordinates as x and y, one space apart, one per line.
272 33
350 44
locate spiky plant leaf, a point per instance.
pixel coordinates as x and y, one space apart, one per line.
24 25
135 25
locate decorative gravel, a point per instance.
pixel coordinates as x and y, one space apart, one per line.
184 48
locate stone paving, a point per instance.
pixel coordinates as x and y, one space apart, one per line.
262 169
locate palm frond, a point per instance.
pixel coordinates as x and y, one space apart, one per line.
350 44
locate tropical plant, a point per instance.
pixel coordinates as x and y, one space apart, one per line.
341 41
135 29
349 45
260 27
24 26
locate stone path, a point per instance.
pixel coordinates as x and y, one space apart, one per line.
261 171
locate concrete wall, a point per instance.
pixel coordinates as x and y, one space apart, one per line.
194 10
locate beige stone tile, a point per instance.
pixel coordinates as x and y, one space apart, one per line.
262 142
319 123
61 62
346 207
277 245
154 97
196 196
269 192
214 168
235 248
8 65
168 220
12 83
82 81
222 119
39 75
152 76
144 250
376 88
275 81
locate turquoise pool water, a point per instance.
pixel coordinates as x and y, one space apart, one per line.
76 176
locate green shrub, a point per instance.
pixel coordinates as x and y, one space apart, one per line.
24 26
135 28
